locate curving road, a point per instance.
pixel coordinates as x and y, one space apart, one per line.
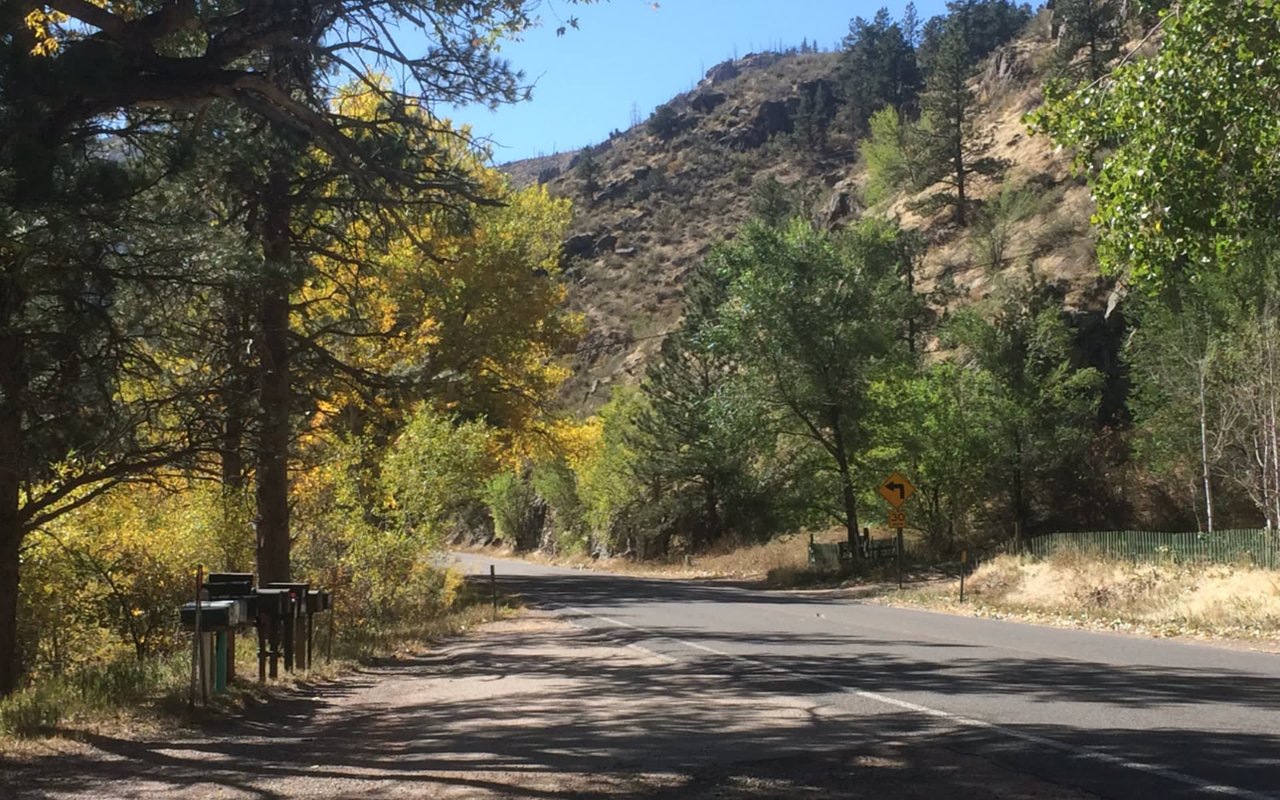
1104 715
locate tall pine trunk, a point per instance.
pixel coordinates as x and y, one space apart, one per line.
12 391
272 476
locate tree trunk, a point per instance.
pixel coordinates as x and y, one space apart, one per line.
1204 443
272 484
848 496
1019 494
10 540
12 395
957 159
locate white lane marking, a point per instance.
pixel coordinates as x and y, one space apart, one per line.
956 719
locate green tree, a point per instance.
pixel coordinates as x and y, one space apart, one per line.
1093 26
813 116
1181 148
70 78
1040 407
891 154
877 68
665 122
814 320
588 171
695 436
949 130
773 202
938 422
89 395
984 25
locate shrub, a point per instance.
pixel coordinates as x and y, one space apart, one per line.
518 512
664 123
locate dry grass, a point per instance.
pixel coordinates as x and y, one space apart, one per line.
780 563
1161 599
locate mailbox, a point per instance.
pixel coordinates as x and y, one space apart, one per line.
273 603
318 601
226 585
297 595
215 614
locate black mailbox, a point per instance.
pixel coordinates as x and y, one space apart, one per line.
318 601
226 585
297 593
274 603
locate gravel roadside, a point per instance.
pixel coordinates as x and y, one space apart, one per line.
533 708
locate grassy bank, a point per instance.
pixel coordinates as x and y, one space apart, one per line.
150 695
1081 590
781 562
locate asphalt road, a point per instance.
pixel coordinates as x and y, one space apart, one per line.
1108 715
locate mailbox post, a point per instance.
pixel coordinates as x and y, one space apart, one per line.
294 624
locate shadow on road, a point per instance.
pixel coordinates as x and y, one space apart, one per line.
699 719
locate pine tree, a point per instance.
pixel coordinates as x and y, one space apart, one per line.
589 173
877 68
1094 26
948 126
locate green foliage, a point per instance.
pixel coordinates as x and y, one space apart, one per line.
889 153
614 500
518 512
1095 27
813 115
697 438
1202 359
983 26
993 232
877 69
773 202
556 485
1038 408
951 142
104 687
588 171
1181 147
814 320
435 469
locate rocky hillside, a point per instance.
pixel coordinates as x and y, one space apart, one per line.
665 193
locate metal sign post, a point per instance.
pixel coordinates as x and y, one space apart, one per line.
896 490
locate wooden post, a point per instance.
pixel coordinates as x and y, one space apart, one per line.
899 558
200 648
493 589
261 625
964 567
195 643
333 613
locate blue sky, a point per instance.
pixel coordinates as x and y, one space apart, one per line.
629 53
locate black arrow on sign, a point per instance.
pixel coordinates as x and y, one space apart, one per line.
902 489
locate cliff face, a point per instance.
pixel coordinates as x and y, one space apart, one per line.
655 198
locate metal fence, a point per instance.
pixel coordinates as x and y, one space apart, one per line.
1260 548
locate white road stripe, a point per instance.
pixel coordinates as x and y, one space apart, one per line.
957 719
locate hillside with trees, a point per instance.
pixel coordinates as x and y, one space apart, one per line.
817 267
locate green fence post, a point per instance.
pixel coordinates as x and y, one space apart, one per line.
220 662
